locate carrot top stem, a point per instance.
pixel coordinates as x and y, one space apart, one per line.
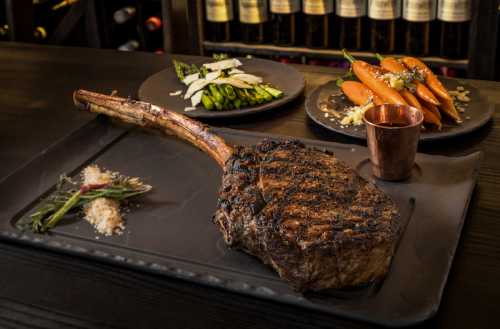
379 57
348 56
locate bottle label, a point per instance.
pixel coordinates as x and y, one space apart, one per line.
454 10
285 6
317 7
384 9
419 10
219 10
351 8
253 11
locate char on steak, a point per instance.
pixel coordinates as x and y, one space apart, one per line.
298 209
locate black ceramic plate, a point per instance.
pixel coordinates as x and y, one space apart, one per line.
477 113
156 88
172 233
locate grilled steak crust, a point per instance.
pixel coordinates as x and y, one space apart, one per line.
307 214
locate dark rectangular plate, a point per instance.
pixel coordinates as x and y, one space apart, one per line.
171 233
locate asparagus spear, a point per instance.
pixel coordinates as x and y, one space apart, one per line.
229 90
267 96
215 93
237 103
207 102
276 93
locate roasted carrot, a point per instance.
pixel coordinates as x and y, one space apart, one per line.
436 86
411 99
369 76
393 65
359 94
431 107
449 109
430 78
424 93
429 117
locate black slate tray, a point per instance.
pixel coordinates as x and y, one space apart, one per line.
157 87
478 112
172 234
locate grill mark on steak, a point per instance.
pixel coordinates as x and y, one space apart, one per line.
315 208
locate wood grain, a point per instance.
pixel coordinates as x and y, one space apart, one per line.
40 289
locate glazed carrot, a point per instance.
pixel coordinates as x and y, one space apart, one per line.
431 107
429 117
430 78
369 76
424 93
359 94
436 86
393 65
449 109
411 99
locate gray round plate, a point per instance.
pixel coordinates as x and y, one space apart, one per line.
157 87
477 113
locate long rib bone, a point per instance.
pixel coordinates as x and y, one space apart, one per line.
148 115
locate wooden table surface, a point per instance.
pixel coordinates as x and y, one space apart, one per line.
42 289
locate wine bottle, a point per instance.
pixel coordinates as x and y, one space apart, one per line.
219 15
285 17
130 45
126 27
253 21
454 18
4 32
154 34
351 17
418 16
153 24
318 16
123 15
40 34
383 16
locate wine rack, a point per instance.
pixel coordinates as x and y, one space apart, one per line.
482 61
118 24
90 23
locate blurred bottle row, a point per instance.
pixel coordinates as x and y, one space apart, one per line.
124 24
417 27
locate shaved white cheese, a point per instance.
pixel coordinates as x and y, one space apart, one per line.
233 82
223 65
196 99
236 71
354 115
189 109
248 78
212 75
195 86
176 93
189 79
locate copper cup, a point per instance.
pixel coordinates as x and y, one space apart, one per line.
393 132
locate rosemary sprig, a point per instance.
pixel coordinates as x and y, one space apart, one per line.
69 196
58 215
